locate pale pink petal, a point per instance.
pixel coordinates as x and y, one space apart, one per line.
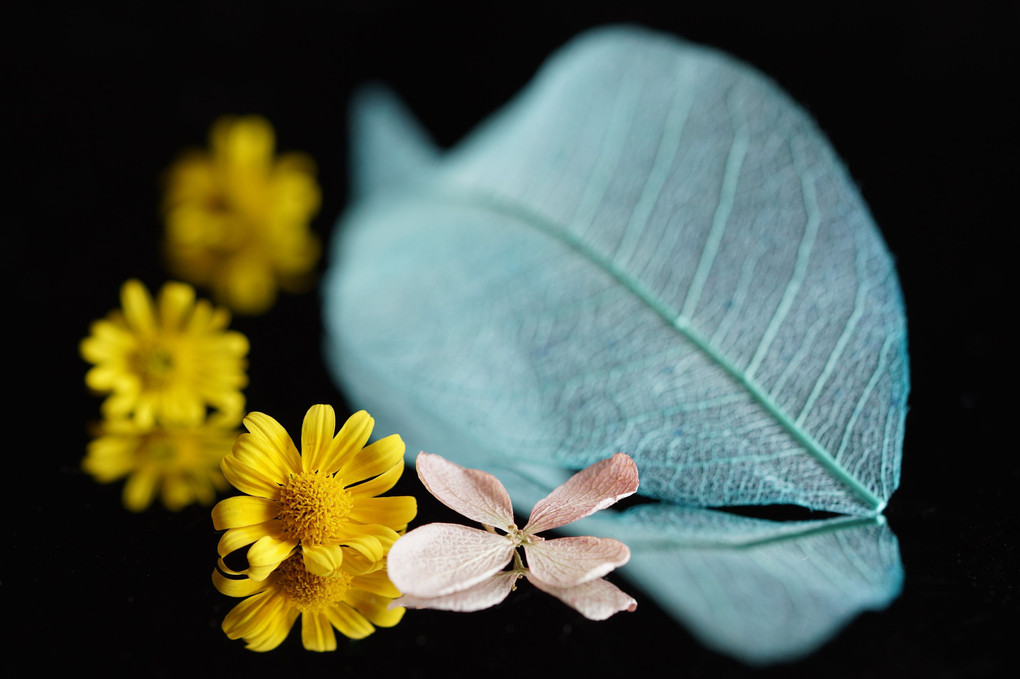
565 562
471 492
485 594
595 599
584 493
442 558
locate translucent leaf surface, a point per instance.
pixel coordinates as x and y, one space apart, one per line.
761 591
650 250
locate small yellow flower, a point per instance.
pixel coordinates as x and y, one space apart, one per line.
322 501
350 603
182 464
237 220
166 362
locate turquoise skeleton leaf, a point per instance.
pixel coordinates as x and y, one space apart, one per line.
653 250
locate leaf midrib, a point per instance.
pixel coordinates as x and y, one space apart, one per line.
680 323
811 529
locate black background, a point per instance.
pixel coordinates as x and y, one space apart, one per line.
914 97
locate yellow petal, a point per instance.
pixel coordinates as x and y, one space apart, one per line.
384 534
322 560
247 615
248 284
110 377
121 404
299 164
246 141
237 538
201 487
263 618
175 303
269 430
248 480
379 484
177 493
374 607
373 460
243 510
181 405
262 457
232 343
227 570
198 321
394 512
366 546
109 458
140 488
107 341
316 634
365 560
266 554
376 583
236 587
274 633
348 621
138 307
347 444
316 434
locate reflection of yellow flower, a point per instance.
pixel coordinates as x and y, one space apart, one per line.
350 603
237 220
322 501
166 361
182 464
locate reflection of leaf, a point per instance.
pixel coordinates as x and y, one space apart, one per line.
759 590
762 591
650 250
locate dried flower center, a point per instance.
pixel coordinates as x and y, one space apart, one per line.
307 591
314 507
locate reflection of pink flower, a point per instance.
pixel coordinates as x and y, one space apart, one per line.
459 568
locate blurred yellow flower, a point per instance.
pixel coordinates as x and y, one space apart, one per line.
166 361
237 220
322 502
181 464
350 603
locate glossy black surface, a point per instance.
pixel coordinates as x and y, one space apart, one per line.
914 100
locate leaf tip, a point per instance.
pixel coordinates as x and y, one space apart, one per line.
388 144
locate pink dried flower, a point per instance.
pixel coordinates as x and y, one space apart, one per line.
453 567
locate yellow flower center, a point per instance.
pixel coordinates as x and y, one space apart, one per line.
160 449
307 591
217 202
154 364
186 450
314 507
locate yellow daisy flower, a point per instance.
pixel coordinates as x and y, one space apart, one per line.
182 464
323 500
166 361
237 220
350 603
